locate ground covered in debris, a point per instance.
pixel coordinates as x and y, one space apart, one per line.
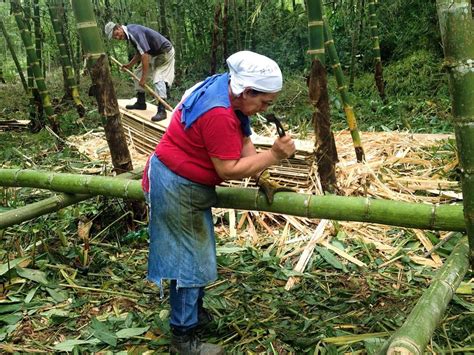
357 285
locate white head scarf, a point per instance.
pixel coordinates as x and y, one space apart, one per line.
252 70
109 29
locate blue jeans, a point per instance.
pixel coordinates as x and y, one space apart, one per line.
185 303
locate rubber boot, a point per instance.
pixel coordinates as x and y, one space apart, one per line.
140 104
188 343
160 114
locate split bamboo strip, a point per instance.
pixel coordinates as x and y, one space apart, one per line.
428 245
419 326
403 214
307 252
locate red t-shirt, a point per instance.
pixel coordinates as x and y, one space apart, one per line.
188 152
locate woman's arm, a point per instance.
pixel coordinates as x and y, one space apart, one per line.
252 163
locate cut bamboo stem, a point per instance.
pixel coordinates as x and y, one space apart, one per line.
307 252
52 204
360 209
419 326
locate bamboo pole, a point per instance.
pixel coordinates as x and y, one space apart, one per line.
147 87
13 54
99 71
35 67
359 209
419 326
378 71
55 11
343 92
457 26
52 204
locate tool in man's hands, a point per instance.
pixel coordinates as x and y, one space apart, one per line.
148 88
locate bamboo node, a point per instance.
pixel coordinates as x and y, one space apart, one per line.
315 23
315 51
86 24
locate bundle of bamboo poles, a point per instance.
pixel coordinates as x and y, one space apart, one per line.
14 125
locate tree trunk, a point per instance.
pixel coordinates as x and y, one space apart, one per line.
457 28
326 153
359 209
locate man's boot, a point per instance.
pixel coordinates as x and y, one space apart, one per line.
140 104
188 343
160 114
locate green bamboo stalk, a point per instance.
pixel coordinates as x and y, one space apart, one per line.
52 204
55 12
37 70
360 209
315 30
343 91
36 120
13 54
415 333
378 73
38 35
99 71
36 209
457 26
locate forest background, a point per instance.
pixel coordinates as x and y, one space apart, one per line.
105 304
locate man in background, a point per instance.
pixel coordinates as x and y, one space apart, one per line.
156 55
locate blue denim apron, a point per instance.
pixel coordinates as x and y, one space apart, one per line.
182 242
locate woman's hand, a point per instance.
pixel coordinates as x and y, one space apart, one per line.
283 147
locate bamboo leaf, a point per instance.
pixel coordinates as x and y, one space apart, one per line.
57 296
101 332
131 332
4 268
30 295
68 345
10 308
330 258
11 319
33 275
